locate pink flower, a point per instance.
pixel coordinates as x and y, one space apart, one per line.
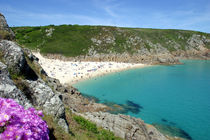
18 123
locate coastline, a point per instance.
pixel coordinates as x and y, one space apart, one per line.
71 72
109 72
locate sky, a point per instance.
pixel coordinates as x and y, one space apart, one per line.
163 14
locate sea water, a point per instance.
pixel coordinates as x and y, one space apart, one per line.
175 98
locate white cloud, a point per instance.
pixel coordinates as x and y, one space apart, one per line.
22 18
110 7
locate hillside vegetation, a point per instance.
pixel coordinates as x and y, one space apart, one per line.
75 40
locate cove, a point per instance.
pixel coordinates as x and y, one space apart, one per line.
175 98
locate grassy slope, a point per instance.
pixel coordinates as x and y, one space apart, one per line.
74 40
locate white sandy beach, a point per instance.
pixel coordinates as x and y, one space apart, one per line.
69 72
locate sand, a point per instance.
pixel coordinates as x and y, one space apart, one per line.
69 72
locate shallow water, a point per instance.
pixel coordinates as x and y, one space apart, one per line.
174 98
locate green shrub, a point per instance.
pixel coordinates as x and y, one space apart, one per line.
106 135
85 124
4 35
99 133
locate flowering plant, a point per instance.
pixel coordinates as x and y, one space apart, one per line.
17 123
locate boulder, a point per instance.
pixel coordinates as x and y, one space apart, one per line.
42 96
13 56
162 60
15 59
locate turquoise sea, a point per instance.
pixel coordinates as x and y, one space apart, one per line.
174 98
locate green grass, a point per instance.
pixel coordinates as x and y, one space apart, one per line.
100 133
86 124
75 40
14 75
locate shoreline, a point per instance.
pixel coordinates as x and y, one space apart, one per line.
109 72
71 72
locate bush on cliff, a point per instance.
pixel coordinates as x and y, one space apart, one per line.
5 35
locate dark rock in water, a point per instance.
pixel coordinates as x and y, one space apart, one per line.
132 107
172 123
124 108
90 98
172 131
131 103
164 120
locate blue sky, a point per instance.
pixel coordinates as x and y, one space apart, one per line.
164 14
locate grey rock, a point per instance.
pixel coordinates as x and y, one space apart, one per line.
195 41
207 54
123 126
162 60
49 32
8 88
13 56
43 97
4 27
30 55
62 123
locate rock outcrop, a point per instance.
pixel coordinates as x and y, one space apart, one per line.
8 88
13 56
78 103
5 31
43 97
38 93
126 127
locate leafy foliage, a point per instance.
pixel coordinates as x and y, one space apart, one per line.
4 35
